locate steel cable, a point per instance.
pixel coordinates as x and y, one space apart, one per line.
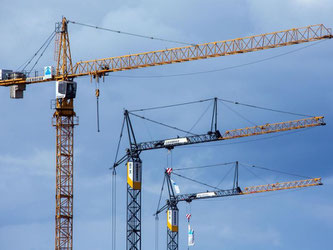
42 52
199 182
30 60
172 105
263 108
131 34
162 124
276 171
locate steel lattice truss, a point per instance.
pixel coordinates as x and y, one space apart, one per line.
247 190
282 186
274 127
133 219
100 67
62 50
206 50
238 133
64 182
218 193
172 240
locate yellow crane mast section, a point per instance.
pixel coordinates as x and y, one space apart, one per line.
282 186
273 127
100 67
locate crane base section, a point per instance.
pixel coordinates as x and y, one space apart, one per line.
133 219
172 240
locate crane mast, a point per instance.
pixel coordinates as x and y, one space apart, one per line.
134 178
172 202
64 118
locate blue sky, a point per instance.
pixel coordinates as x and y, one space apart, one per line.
298 82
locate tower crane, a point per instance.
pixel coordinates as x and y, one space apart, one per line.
134 162
64 118
172 202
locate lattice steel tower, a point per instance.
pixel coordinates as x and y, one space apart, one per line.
64 119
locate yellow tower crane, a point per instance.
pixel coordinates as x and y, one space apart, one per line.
66 72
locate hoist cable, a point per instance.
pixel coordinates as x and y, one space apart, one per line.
156 231
131 34
97 109
97 113
114 208
156 216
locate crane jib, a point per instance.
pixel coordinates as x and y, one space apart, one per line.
100 67
232 134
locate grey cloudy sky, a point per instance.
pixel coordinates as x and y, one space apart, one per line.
299 82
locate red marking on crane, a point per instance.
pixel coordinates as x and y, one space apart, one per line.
188 216
169 171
